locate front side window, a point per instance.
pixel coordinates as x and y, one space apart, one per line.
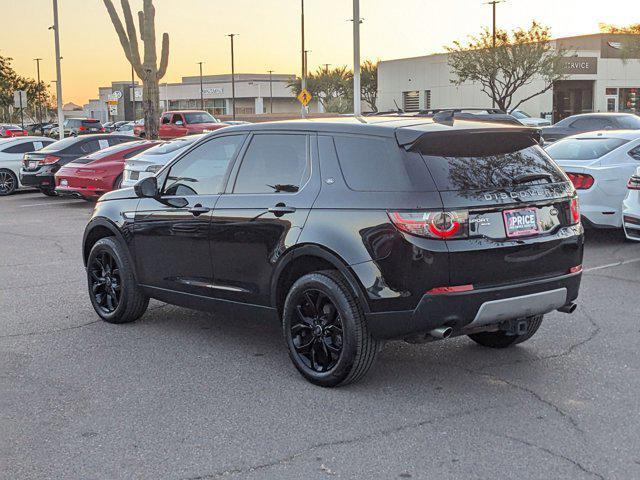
203 169
176 118
274 163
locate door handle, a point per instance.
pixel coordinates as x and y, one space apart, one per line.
198 209
281 209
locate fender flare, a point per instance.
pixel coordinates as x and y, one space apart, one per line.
112 227
314 250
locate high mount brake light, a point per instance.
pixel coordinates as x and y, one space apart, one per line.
439 225
581 181
575 210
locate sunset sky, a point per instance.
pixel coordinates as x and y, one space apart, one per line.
269 33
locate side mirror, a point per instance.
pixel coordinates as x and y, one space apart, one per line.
179 123
147 188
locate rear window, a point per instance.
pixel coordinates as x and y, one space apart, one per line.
583 148
377 164
99 154
173 145
629 121
92 123
61 144
529 166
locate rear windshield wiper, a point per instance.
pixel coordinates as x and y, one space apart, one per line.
287 187
530 177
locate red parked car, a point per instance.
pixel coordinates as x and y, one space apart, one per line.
8 130
178 123
90 176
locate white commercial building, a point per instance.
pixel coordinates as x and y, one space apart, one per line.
255 94
597 80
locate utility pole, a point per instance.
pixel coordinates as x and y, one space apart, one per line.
306 63
133 94
271 91
38 104
326 67
493 4
357 104
201 89
233 78
56 35
303 78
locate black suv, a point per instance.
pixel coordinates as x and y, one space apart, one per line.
349 231
39 168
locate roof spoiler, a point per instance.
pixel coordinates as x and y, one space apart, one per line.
471 141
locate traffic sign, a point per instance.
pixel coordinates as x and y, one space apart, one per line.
304 97
19 99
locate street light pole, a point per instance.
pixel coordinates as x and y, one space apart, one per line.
38 104
201 89
233 78
357 104
303 78
133 94
271 91
56 35
493 4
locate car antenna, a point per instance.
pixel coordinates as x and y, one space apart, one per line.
445 117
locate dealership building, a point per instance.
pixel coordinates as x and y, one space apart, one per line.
597 79
255 94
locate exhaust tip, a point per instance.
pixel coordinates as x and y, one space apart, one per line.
441 332
568 308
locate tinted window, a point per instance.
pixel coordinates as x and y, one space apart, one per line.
493 171
91 123
176 118
593 123
166 119
90 146
375 164
629 121
61 144
199 117
202 170
583 148
20 148
273 160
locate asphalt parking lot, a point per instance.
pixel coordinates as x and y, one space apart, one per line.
187 395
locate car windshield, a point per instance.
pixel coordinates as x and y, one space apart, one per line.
173 145
520 114
583 148
199 117
629 121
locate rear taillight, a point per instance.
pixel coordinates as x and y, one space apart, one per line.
82 129
634 183
575 210
440 225
103 129
49 159
9 133
581 181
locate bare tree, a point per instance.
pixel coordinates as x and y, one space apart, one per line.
517 60
147 70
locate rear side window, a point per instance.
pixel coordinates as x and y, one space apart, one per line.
594 123
529 166
274 163
20 148
377 164
583 148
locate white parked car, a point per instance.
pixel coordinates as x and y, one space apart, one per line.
149 162
11 152
631 208
599 164
526 119
125 129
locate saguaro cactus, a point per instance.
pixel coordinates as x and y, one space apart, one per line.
148 70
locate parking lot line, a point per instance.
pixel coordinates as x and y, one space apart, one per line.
49 204
615 264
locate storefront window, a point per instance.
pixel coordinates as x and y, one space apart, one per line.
629 100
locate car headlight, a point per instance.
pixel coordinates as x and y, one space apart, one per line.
153 168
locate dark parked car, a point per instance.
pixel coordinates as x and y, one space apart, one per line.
82 126
590 122
352 232
38 168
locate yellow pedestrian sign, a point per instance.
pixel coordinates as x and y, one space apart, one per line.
304 97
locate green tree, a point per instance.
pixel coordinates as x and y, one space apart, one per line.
329 86
519 58
369 83
37 94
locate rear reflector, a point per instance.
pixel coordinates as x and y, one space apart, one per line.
454 289
575 210
576 269
581 181
632 220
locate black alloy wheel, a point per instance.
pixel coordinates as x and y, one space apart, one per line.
325 330
106 282
317 335
8 182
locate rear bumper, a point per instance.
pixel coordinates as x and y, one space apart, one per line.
477 308
79 192
43 178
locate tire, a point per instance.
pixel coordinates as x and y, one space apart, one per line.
49 192
8 183
323 320
500 339
114 293
117 184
